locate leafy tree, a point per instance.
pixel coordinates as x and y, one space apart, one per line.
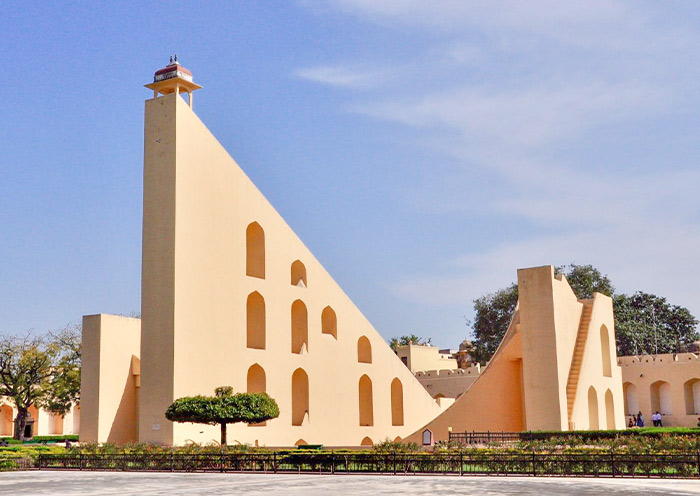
644 323
64 385
586 280
493 314
405 340
27 365
648 324
224 408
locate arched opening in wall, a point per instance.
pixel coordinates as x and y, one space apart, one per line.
256 381
691 390
660 392
631 398
300 442
365 401
329 322
396 402
609 411
55 424
255 251
593 423
300 397
33 428
76 419
299 274
366 442
364 350
397 439
6 420
300 327
255 321
605 349
438 396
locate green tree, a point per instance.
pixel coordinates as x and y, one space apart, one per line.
493 314
27 364
405 340
223 408
63 390
586 280
648 324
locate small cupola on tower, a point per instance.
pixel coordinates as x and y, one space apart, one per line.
173 79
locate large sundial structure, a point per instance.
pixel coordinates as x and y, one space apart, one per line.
231 296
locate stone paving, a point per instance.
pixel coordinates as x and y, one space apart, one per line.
145 483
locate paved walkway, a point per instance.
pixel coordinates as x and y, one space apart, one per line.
144 483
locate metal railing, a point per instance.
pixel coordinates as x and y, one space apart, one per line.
685 465
484 437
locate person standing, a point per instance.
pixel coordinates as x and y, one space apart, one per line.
640 420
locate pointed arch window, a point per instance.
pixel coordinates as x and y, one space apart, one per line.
255 321
255 251
299 274
300 327
329 322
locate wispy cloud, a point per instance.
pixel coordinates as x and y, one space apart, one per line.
530 121
341 76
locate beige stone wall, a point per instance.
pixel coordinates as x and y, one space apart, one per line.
109 396
198 205
450 383
668 383
419 357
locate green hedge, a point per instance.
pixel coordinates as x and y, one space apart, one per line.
43 439
601 435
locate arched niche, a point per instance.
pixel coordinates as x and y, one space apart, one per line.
609 410
660 393
396 402
365 401
256 380
55 424
255 321
364 350
300 327
329 322
691 391
593 423
366 441
6 420
300 397
255 250
298 272
605 351
631 398
76 419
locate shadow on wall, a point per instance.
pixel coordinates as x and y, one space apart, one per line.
124 427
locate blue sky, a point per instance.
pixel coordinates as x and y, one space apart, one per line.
423 153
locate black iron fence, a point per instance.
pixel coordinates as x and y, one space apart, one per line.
686 465
485 437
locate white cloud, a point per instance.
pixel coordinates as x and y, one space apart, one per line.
544 77
341 76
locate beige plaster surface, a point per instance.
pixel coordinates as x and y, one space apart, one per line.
109 396
678 401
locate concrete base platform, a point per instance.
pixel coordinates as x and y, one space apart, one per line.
144 483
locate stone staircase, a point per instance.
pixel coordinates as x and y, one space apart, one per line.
581 336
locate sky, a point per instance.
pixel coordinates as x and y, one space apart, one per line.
424 151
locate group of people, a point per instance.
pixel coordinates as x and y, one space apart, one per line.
638 420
